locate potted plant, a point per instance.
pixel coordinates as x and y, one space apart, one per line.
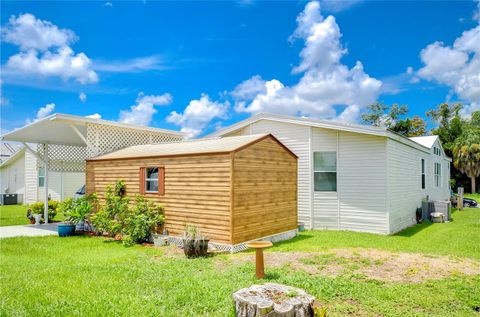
194 244
76 213
37 210
30 216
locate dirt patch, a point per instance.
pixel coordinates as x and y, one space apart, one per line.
368 264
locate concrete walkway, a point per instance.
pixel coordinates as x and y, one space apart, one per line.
28 230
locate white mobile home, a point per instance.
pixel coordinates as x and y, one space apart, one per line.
354 177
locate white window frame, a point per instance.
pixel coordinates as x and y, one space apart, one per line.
150 180
41 177
323 171
437 174
423 177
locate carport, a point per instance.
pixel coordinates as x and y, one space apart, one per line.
63 142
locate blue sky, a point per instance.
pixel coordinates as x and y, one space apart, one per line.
198 66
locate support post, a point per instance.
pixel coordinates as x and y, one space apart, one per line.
460 198
45 210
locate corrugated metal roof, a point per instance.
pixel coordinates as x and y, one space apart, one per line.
426 141
201 146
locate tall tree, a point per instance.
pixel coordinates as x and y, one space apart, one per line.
382 115
450 124
466 153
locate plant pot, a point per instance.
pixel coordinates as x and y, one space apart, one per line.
194 248
37 217
301 227
66 230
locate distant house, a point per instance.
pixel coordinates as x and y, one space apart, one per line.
21 174
65 142
355 177
235 189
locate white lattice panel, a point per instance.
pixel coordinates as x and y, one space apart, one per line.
63 158
233 248
105 139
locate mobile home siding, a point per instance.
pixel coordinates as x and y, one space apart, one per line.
31 178
326 206
405 184
362 183
441 192
264 191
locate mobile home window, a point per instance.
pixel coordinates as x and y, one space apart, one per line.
437 174
325 171
41 177
423 173
151 179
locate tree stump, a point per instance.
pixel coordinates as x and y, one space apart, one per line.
273 300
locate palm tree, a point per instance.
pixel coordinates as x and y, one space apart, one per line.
466 154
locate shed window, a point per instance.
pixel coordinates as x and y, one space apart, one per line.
423 173
152 180
325 171
437 174
41 177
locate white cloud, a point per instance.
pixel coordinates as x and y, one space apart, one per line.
142 111
28 33
131 65
82 96
108 4
456 66
44 51
198 114
42 112
326 82
94 116
45 111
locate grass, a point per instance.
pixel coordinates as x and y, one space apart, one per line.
91 276
461 237
12 215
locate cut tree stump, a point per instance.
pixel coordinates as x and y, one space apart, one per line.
273 300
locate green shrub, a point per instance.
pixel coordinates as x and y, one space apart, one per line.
78 210
37 208
133 223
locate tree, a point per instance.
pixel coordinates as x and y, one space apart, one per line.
381 115
450 124
466 154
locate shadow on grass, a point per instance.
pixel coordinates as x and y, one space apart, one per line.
411 231
302 236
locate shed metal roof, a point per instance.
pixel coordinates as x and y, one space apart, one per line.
199 146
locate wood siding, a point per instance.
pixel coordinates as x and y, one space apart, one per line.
197 190
264 191
261 178
297 139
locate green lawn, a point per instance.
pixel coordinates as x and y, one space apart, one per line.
11 215
92 276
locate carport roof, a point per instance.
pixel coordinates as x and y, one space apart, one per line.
57 129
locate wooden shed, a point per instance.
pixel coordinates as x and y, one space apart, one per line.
234 189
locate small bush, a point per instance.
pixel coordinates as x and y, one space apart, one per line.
117 217
37 208
78 210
